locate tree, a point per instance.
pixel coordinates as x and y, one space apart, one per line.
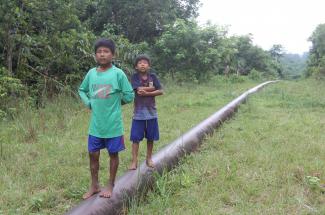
293 65
141 20
43 42
186 51
12 22
251 57
316 61
277 51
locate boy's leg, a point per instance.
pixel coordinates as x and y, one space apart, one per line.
114 146
113 166
137 134
94 167
152 134
149 161
134 162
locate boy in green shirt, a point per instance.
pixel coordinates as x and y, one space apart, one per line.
103 90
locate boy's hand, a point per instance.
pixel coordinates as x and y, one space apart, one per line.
142 92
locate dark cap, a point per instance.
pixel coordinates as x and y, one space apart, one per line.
108 43
141 57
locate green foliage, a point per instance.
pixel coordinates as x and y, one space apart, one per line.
36 204
255 75
276 52
48 45
316 61
249 57
294 65
236 79
46 41
141 20
318 71
313 182
126 51
187 52
10 90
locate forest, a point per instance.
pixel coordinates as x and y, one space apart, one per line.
46 47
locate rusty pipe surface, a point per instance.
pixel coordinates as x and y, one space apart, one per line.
137 181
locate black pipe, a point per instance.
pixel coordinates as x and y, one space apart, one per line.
133 182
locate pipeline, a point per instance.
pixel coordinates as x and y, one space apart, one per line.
134 182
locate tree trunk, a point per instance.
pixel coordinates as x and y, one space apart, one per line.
172 74
9 54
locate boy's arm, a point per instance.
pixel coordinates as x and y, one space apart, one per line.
157 88
136 85
126 88
83 91
148 89
152 93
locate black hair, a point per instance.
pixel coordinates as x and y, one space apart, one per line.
108 43
141 57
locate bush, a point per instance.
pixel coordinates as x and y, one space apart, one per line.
255 75
10 89
236 79
270 75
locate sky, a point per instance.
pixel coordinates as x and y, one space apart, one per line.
286 22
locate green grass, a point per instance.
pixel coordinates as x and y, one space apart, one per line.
266 160
43 153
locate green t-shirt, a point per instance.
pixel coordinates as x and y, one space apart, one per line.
103 93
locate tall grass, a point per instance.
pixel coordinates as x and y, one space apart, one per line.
44 158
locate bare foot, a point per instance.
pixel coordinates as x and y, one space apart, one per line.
91 191
133 166
150 164
107 192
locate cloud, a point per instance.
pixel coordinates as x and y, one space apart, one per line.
288 23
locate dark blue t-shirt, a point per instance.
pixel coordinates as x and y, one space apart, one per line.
144 106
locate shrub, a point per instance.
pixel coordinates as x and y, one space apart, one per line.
11 89
255 75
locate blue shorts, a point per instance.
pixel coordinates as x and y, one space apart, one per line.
113 145
144 128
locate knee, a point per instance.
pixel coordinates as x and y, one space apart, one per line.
113 155
94 165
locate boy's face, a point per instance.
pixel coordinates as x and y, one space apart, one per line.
143 66
104 56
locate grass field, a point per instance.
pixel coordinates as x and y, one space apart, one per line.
266 160
43 153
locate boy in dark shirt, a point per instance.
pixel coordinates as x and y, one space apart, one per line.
145 119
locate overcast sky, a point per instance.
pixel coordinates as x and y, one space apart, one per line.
285 22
